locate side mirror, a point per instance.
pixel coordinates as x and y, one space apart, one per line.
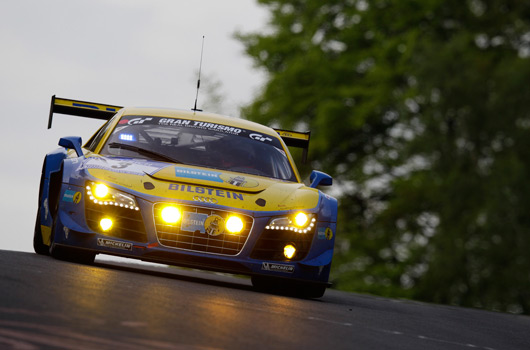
72 142
319 178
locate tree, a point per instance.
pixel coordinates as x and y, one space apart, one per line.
419 109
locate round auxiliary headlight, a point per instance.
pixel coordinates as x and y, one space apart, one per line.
301 219
100 191
170 214
289 251
234 224
105 224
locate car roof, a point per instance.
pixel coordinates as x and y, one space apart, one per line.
199 116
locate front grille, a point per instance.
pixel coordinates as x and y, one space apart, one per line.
127 223
190 232
271 243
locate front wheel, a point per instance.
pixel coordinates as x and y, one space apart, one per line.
76 255
38 245
72 254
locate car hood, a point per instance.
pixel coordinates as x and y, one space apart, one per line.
183 182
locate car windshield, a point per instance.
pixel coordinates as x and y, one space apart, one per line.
201 144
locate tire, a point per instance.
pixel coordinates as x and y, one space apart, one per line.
62 252
72 254
286 287
38 244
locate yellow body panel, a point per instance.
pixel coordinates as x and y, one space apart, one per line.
86 105
277 195
293 134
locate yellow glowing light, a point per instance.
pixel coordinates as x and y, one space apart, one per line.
171 214
289 251
101 191
105 224
234 224
301 219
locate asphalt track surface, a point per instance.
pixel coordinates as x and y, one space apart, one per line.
51 304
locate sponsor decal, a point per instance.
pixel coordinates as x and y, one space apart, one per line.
173 122
134 121
46 209
214 225
121 165
138 167
200 125
277 267
322 232
206 191
85 105
109 243
192 222
259 137
329 233
198 174
72 197
239 181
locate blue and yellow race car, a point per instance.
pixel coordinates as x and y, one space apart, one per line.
187 188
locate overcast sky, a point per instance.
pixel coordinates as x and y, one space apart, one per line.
123 52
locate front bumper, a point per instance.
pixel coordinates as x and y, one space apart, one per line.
138 235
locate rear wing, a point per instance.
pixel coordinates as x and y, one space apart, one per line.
81 109
105 112
296 139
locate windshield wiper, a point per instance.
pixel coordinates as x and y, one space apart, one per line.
148 152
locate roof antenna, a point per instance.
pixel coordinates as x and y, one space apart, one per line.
199 80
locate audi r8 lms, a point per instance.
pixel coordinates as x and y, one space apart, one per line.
187 188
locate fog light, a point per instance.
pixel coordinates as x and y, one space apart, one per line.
289 251
105 224
234 224
301 219
171 214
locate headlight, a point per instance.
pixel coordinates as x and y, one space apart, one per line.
234 224
102 194
100 191
171 214
298 222
301 219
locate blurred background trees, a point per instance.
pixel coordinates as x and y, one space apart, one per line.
420 110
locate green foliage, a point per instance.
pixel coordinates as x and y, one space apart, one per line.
419 109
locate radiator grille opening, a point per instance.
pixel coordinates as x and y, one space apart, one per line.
192 231
127 223
272 242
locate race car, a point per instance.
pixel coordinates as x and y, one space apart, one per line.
187 188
